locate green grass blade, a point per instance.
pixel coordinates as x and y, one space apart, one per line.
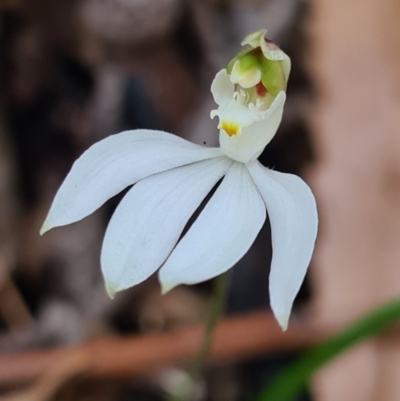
297 375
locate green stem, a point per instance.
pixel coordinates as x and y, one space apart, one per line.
215 309
296 376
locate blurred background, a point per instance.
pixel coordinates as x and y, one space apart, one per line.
75 71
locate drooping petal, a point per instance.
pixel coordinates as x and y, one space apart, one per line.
222 88
255 136
114 163
294 222
150 218
221 235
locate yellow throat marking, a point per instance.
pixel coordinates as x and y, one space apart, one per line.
231 129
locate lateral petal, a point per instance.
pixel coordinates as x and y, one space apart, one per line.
221 235
114 163
222 88
150 218
293 216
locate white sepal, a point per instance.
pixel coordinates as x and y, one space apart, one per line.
150 218
221 235
114 163
293 217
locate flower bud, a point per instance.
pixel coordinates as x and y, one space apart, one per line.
261 70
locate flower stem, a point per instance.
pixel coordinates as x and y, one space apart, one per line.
215 309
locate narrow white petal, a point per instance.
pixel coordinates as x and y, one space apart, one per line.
150 218
221 235
293 216
114 163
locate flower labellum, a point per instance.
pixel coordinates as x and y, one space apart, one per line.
173 176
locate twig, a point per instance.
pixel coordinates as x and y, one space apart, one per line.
236 337
48 384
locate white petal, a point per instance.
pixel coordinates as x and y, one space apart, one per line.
222 88
221 235
253 138
293 216
150 218
114 163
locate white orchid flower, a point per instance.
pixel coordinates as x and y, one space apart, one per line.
173 176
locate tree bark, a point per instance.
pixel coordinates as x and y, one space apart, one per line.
355 62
